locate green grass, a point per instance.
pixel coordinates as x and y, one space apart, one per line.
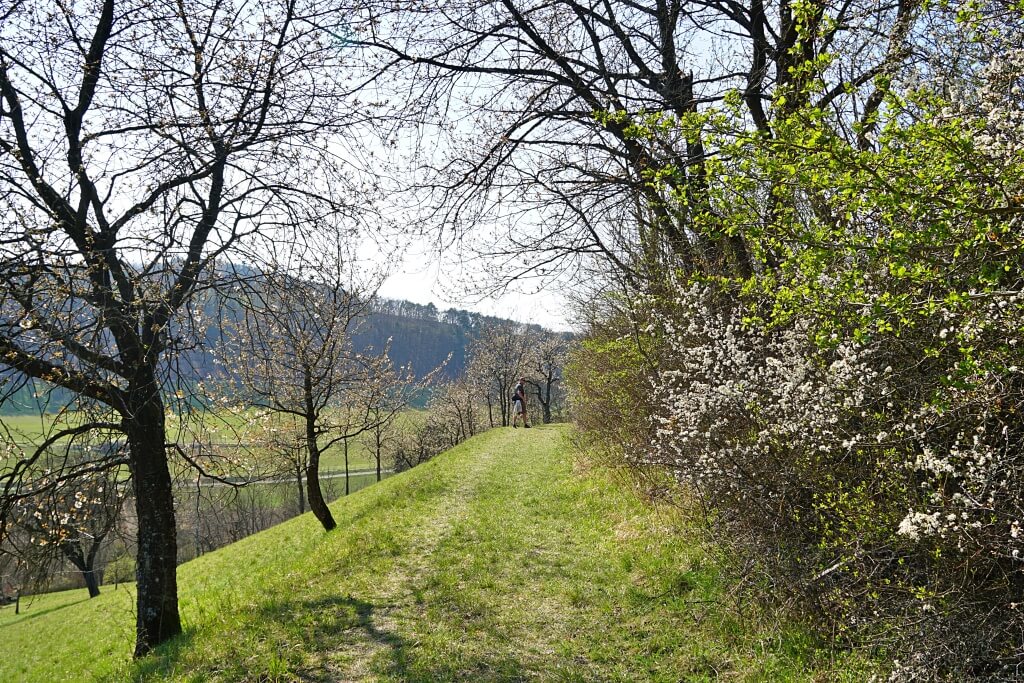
28 425
496 561
67 637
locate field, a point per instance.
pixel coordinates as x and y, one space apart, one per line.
505 559
230 433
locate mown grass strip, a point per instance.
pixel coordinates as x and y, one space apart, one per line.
494 562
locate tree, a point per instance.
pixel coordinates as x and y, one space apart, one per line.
285 441
139 142
290 351
391 392
546 358
581 106
853 418
71 522
497 358
456 403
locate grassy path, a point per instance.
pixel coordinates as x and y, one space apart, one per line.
494 562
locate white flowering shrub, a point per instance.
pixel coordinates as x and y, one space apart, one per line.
778 437
879 482
856 417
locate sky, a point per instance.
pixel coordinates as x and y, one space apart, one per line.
423 277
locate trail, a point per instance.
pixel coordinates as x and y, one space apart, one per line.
396 593
509 558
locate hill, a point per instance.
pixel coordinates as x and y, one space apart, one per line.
500 560
419 336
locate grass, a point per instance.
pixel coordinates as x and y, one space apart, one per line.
497 561
67 637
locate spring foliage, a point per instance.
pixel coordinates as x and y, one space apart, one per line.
852 410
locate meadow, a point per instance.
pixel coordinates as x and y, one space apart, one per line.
507 558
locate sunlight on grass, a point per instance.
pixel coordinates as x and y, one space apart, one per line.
493 562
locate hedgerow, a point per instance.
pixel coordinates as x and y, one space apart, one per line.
851 416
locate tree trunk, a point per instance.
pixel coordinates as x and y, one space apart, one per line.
91 582
86 569
316 497
83 565
302 494
157 616
377 443
317 504
92 578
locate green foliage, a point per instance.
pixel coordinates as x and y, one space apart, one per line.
608 376
851 411
120 570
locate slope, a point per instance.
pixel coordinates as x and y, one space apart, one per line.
496 561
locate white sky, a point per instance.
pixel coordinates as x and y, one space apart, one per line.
425 277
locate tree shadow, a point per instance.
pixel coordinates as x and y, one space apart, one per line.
159 664
33 614
339 623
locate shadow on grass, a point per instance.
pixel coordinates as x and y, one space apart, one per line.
159 663
26 607
359 630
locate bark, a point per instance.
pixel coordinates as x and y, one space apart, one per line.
377 447
91 583
346 465
317 504
157 617
302 494
85 564
92 577
543 394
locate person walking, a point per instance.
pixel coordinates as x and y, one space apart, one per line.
519 404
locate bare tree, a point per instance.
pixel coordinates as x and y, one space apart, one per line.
390 392
456 403
497 359
284 442
140 141
546 359
290 351
588 135
380 437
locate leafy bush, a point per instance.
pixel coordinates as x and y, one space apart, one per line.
852 416
867 484
608 377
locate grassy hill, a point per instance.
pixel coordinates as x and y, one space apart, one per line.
501 560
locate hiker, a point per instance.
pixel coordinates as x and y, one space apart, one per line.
519 404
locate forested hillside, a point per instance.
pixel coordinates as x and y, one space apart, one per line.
421 336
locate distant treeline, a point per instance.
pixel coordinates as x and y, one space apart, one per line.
420 335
